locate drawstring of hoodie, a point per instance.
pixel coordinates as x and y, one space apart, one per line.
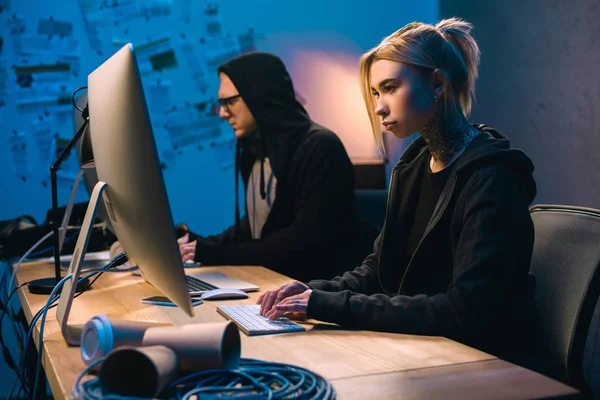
263 191
238 153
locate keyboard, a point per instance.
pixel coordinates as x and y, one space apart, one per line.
197 286
248 319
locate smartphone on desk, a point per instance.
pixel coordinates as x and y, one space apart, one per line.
163 301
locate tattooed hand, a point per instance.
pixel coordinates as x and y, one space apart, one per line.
292 296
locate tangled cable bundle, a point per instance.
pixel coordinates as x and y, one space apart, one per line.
254 379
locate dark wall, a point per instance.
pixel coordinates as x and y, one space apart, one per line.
540 85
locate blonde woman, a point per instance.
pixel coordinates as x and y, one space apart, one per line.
454 254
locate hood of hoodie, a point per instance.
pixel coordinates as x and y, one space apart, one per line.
282 122
491 146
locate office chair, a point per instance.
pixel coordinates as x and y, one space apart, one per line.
565 263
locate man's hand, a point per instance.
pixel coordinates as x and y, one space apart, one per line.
187 248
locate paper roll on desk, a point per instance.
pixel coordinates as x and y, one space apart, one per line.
139 371
198 346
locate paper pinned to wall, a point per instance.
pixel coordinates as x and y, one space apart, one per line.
195 63
213 23
3 81
51 27
188 126
44 133
42 86
219 50
157 8
17 143
16 28
49 46
247 41
192 58
159 96
186 10
224 152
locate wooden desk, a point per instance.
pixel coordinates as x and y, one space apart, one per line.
360 364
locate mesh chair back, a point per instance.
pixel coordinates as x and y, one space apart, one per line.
565 262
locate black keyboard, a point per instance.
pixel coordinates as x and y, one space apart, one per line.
196 285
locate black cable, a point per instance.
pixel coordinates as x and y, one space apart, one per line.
73 97
118 260
5 350
24 365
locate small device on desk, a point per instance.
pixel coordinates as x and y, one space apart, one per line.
249 320
191 264
224 294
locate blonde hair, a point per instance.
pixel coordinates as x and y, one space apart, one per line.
447 46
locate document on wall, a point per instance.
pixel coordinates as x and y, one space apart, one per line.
42 86
43 132
17 143
192 57
3 81
16 27
52 27
219 50
159 96
188 126
49 46
156 8
224 152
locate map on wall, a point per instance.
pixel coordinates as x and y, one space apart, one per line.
45 69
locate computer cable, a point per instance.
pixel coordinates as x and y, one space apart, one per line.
8 358
31 249
6 304
115 262
73 97
254 379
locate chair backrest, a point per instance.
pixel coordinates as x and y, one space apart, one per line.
565 263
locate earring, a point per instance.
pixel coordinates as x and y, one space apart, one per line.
435 98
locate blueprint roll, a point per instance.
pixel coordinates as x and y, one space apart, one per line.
199 346
138 371
101 335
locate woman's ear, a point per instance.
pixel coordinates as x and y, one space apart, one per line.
439 83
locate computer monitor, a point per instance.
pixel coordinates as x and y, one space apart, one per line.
135 196
127 160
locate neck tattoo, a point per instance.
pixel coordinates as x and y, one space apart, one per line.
447 136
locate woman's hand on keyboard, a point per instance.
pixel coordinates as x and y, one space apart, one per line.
187 248
268 299
295 305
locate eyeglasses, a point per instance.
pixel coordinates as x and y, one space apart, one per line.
227 101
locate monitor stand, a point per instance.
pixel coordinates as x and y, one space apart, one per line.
72 333
68 210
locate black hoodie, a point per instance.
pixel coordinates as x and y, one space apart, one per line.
468 278
310 230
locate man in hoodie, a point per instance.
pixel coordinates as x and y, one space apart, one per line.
300 206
